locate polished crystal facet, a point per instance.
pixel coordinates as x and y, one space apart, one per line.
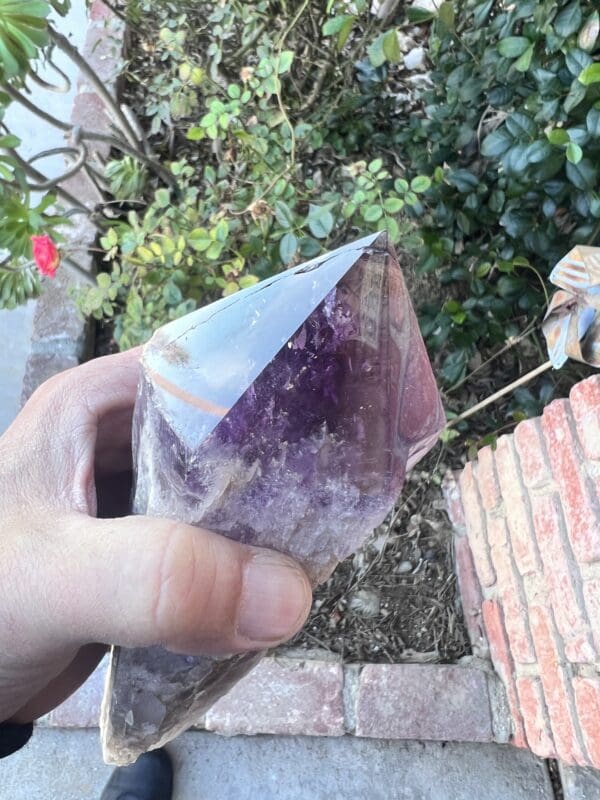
285 416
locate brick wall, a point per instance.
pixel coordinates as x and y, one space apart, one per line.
532 521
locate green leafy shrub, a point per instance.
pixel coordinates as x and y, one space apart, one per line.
510 134
269 176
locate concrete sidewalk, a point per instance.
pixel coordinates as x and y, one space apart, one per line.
67 765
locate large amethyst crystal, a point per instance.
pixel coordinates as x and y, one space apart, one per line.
285 416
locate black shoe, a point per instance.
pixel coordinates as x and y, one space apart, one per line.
150 778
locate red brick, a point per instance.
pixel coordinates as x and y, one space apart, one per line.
90 112
579 501
485 474
511 594
587 699
453 502
585 403
99 11
531 449
561 573
535 717
494 624
591 595
476 526
555 682
515 505
101 51
424 701
285 697
470 591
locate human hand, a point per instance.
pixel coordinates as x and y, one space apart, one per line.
77 575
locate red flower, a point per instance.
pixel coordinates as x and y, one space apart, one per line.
45 255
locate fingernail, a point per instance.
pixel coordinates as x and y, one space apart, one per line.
275 600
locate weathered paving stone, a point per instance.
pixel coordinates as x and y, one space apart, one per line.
283 696
432 702
68 765
579 783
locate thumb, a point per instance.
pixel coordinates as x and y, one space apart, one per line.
140 581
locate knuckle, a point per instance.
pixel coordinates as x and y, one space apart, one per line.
185 580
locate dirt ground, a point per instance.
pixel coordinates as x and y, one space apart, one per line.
396 599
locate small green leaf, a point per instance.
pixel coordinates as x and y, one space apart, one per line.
285 61
334 25
246 281
582 175
9 141
522 64
593 122
575 97
372 213
419 15
558 137
375 166
288 247
376 53
342 26
590 74
447 15
420 184
521 126
345 32
514 46
497 143
320 221
391 46
574 153
284 214
393 205
195 134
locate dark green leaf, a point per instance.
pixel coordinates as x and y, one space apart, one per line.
538 151
521 126
569 20
593 122
463 180
582 175
522 64
418 15
575 97
284 214
577 60
320 221
288 247
482 13
497 143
